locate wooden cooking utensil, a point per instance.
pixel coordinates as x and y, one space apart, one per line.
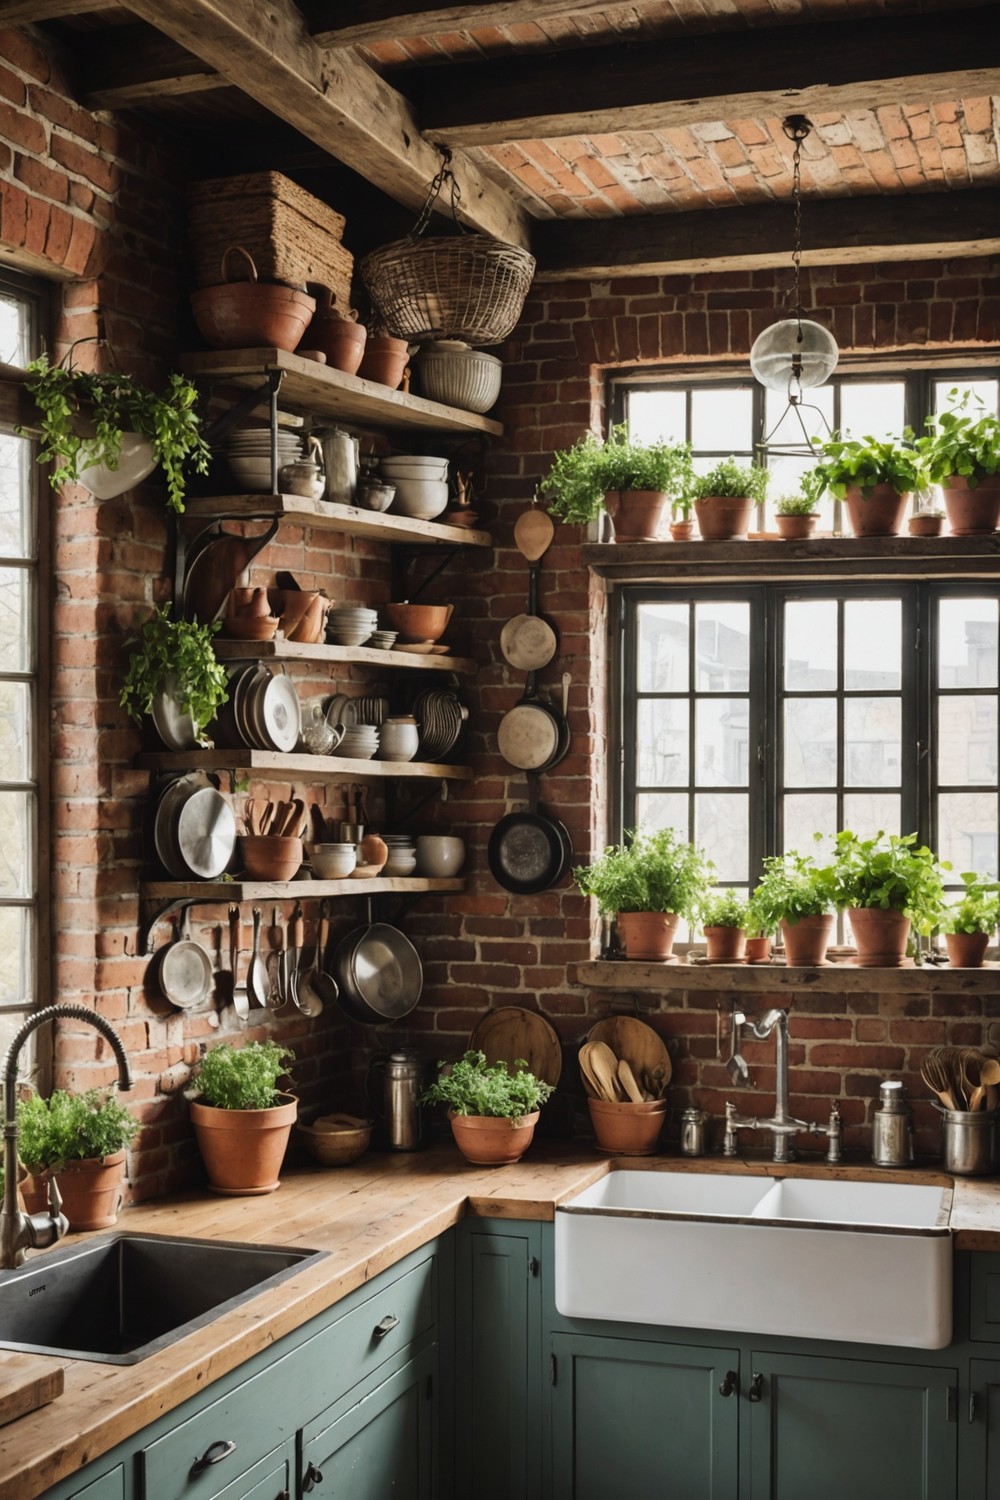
938 1079
605 1066
989 1072
533 533
590 1081
628 1082
636 1041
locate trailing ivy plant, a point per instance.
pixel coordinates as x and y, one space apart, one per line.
732 481
115 403
893 873
581 476
649 872
472 1087
961 441
725 908
868 461
231 1077
180 649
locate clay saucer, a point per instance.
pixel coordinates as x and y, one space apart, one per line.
366 872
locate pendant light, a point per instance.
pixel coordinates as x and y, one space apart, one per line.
795 353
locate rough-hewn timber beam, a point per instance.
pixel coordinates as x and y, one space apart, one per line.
262 47
834 232
131 65
20 12
823 67
390 20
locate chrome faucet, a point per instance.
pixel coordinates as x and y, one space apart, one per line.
782 1125
20 1232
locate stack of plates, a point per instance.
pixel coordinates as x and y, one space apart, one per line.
382 640
350 624
194 829
359 743
248 454
441 718
263 712
402 854
370 709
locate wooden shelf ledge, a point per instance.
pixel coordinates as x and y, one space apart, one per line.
758 560
315 769
211 891
776 978
320 515
275 650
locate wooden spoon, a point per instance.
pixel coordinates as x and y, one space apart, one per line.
590 1082
533 533
628 1081
937 1078
605 1066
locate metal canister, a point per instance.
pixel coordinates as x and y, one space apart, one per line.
403 1087
693 1132
892 1129
968 1141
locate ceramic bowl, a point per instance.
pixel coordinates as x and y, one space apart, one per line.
249 627
271 857
627 1129
333 1144
462 377
420 499
440 855
372 495
418 622
333 861
394 469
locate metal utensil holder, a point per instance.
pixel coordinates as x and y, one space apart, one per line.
968 1141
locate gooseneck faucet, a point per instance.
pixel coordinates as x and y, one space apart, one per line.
18 1231
782 1124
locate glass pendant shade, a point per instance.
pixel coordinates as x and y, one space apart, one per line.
795 352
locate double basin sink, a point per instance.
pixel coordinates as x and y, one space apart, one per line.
822 1258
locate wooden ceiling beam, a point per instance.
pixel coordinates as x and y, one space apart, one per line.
842 231
21 12
334 99
393 20
824 67
134 65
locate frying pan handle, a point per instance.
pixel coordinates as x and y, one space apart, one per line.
298 928
533 588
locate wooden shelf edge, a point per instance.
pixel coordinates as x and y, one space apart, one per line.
213 891
280 767
227 649
351 520
775 978
764 557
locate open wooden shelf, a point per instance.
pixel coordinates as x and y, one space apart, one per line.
777 979
323 515
275 650
211 891
274 765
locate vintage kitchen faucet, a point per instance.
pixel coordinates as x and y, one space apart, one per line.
18 1231
782 1125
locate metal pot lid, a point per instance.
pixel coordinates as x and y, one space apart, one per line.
165 821
206 833
528 642
528 736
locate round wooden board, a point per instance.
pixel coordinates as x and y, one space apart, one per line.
642 1047
506 1034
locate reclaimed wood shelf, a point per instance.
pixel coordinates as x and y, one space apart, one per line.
323 515
276 765
240 889
776 978
322 392
766 557
275 650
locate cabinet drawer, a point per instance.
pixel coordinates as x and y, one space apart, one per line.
984 1295
385 1323
110 1486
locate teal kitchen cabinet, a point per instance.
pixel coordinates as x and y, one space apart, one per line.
108 1486
980 1460
637 1418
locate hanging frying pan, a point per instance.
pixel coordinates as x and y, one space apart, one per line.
528 735
185 969
527 641
378 972
529 851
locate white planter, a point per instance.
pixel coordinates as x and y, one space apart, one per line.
135 465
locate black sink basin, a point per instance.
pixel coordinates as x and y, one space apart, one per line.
119 1298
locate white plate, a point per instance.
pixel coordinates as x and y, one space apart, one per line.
282 713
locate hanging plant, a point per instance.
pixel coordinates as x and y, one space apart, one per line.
178 651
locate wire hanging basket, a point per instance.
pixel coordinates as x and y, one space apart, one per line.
464 286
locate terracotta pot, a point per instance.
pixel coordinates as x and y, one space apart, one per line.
419 622
966 950
682 531
490 1142
973 512
627 1129
758 950
384 360
92 1191
879 936
806 940
339 337
722 518
725 945
243 1148
636 514
271 856
647 934
882 514
925 525
796 528
248 314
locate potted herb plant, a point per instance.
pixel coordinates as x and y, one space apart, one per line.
107 431
647 884
795 895
681 524
724 918
493 1110
886 885
968 926
961 449
725 497
874 477
796 516
81 1140
926 522
241 1118
174 676
632 482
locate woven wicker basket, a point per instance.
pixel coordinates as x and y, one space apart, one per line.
293 237
464 287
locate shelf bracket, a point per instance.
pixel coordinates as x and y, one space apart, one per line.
153 913
401 558
249 402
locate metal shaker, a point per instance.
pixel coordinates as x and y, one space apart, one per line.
693 1132
403 1087
892 1128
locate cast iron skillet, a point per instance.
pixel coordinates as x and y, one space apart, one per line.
529 851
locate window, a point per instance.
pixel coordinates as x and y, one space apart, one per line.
20 758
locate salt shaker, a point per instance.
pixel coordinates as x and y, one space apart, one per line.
693 1132
892 1131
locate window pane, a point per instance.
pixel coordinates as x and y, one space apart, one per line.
662 810
872 741
722 421
17 983
16 648
15 731
868 813
15 331
810 742
967 741
987 391
873 407
872 644
722 643
721 827
663 648
662 749
722 742
16 539
967 643
657 416
967 831
811 644
805 815
16 825
781 420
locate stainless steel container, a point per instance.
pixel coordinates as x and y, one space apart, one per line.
968 1141
693 1123
892 1129
403 1087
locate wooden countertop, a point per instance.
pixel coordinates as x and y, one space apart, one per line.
368 1216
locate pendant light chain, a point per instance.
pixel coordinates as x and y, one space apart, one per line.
796 128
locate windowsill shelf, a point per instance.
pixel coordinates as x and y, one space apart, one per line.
770 557
775 978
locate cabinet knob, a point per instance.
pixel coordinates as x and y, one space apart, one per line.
756 1391
387 1324
730 1383
312 1477
213 1454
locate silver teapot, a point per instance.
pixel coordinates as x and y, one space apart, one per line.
341 452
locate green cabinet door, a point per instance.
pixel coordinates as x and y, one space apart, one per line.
110 1486
844 1429
378 1442
498 1358
631 1418
980 1438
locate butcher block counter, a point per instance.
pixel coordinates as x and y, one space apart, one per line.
367 1216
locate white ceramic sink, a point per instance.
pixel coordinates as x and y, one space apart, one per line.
868 1262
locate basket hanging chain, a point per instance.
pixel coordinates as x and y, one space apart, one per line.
443 175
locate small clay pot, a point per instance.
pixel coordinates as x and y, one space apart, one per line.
726 945
796 528
758 950
925 525
974 512
384 360
647 934
966 950
339 337
419 622
682 531
723 518
271 857
627 1129
248 314
880 515
880 937
490 1142
806 940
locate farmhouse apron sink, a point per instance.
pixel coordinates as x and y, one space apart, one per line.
867 1262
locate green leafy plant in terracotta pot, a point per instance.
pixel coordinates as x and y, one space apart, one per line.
875 478
725 914
968 925
961 449
632 482
492 1109
886 884
681 519
81 1139
796 516
174 675
795 896
241 1118
108 431
647 884
725 498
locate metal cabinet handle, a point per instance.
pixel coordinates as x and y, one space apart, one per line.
213 1454
387 1324
730 1383
756 1391
312 1477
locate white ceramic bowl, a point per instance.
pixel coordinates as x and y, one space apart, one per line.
400 864
420 499
253 474
395 469
468 379
333 861
440 855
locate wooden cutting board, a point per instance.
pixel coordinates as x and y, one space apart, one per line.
506 1034
27 1383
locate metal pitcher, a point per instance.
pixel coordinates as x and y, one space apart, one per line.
341 452
398 1079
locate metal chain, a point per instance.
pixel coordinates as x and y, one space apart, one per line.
444 174
796 128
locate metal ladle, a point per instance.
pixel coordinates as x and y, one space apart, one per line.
316 987
258 987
